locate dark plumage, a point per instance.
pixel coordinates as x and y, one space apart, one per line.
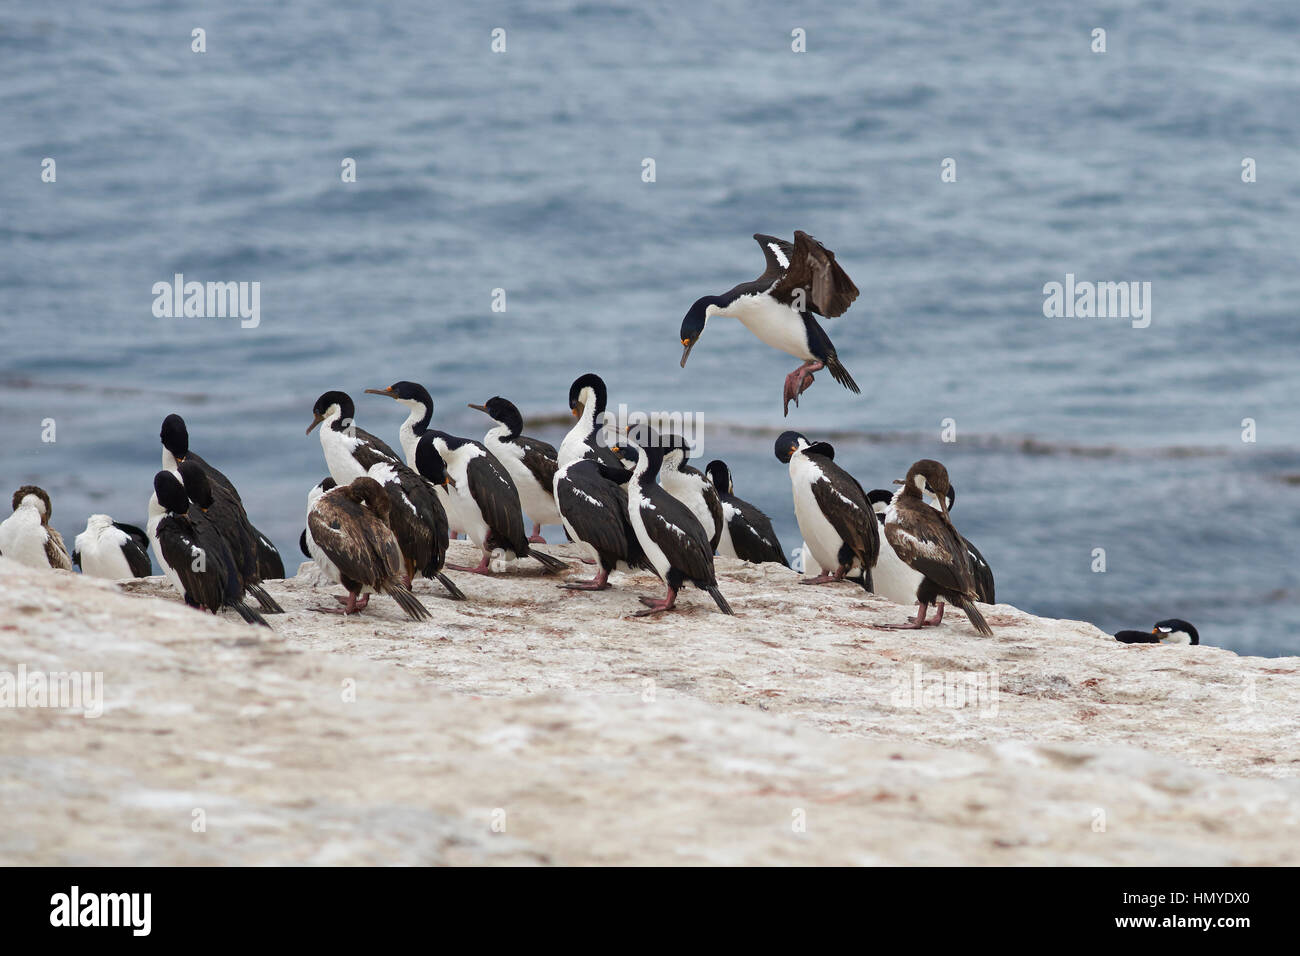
192 549
175 439
673 540
593 506
485 496
419 520
749 535
349 527
926 541
1172 631
800 279
221 506
836 520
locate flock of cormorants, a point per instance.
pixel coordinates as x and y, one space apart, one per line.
380 519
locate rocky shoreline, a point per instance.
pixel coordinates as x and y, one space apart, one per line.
536 725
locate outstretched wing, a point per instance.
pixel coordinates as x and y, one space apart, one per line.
777 252
827 288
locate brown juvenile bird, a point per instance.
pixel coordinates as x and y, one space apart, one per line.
926 541
26 535
349 538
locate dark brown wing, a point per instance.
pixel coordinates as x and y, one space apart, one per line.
777 252
827 288
540 459
926 543
845 506
56 552
596 508
674 527
360 545
497 498
752 536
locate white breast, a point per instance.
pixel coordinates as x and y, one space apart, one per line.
891 578
538 502
23 538
819 535
778 325
636 501
689 490
338 447
156 515
101 553
725 545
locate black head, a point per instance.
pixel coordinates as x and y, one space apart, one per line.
720 475
693 322
196 484
405 392
879 500
597 386
428 460
175 436
1175 625
328 484
952 497
321 410
787 445
171 493
502 411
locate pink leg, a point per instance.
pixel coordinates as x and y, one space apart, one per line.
536 536
351 606
481 569
655 607
599 583
799 381
351 600
825 578
938 616
911 625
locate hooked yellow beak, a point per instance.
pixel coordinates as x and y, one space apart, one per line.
1155 630
380 391
317 418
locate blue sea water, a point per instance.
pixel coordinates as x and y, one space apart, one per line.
522 171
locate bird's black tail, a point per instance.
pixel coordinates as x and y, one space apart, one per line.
248 614
456 593
839 372
553 565
723 606
264 599
976 618
408 602
270 566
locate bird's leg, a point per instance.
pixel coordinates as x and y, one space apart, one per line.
799 381
482 567
825 578
655 607
911 625
536 536
350 600
599 583
938 616
350 606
